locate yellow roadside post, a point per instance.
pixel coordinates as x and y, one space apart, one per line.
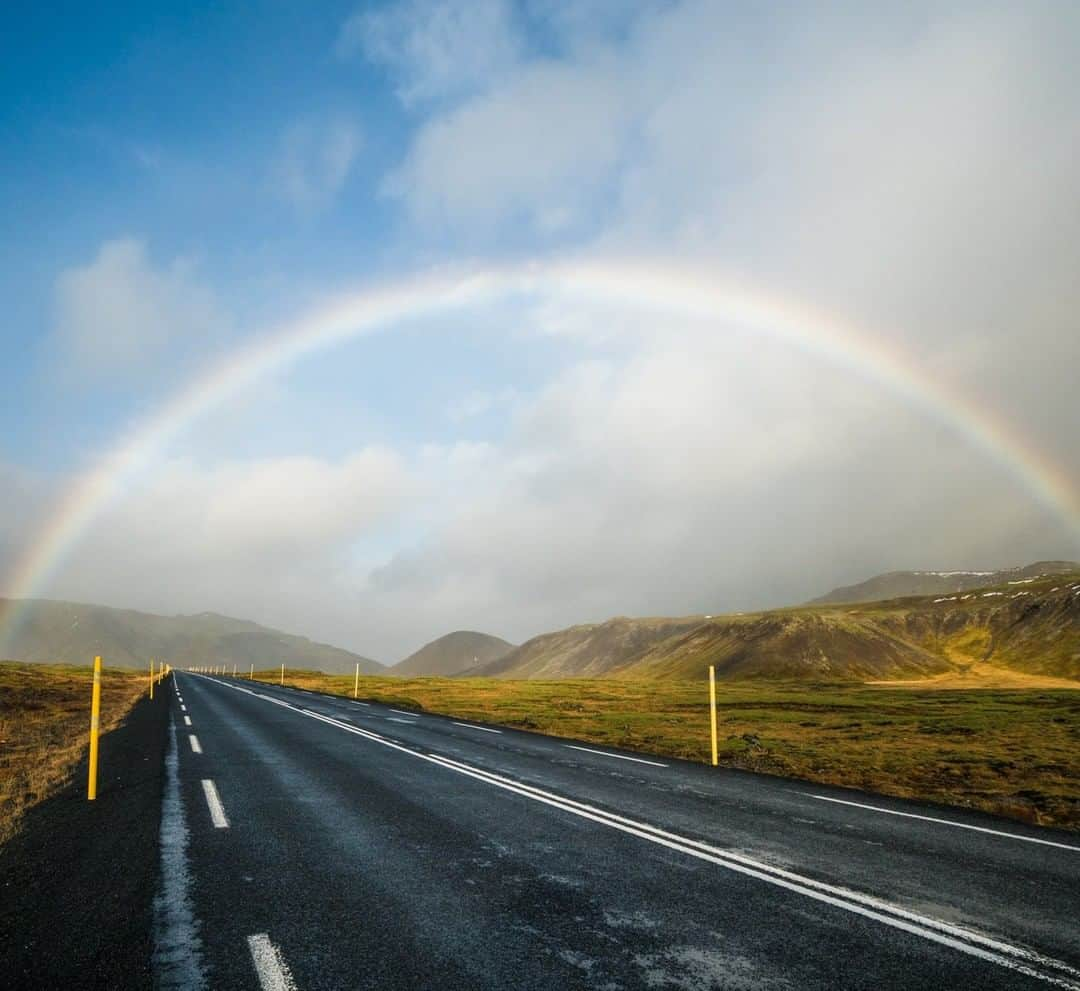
151 677
356 682
282 675
95 722
712 711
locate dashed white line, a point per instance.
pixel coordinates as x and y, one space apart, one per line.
483 729
183 708
273 971
196 748
402 712
213 800
604 753
944 822
407 722
187 720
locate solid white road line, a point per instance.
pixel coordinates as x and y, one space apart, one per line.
965 940
602 753
187 720
944 822
177 960
274 973
483 729
972 942
194 741
213 800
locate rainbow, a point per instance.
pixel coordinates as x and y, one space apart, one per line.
639 283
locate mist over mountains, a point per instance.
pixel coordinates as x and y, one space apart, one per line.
899 625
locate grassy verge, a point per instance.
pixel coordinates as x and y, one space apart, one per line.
1011 752
44 727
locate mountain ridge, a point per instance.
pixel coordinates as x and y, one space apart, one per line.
1029 625
46 633
895 584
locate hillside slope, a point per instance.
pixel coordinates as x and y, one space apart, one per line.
592 650
452 654
70 632
789 645
895 584
1031 625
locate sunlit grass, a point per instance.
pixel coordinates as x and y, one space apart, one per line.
44 727
1012 752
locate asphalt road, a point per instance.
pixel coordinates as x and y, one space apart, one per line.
316 842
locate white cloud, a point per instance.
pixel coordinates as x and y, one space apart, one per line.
536 148
274 509
906 168
275 539
435 48
314 159
120 313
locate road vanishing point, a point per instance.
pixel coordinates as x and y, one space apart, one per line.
314 842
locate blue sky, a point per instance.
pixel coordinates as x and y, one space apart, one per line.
178 181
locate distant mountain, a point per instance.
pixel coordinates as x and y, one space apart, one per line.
1027 624
451 654
72 633
895 584
592 650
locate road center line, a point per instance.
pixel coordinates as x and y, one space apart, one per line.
604 753
213 800
196 748
483 729
187 720
407 722
273 971
943 822
402 712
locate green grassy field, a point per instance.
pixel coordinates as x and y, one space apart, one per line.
1013 752
44 727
